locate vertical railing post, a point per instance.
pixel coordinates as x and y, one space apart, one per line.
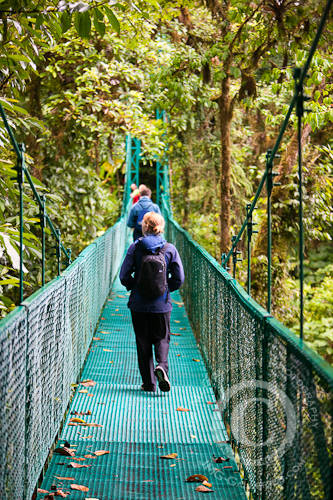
20 180
58 246
299 112
43 226
69 260
249 236
250 232
269 187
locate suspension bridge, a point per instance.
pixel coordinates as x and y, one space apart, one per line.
250 411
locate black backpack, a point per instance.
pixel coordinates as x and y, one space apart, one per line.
152 275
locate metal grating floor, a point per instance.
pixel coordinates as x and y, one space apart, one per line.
137 428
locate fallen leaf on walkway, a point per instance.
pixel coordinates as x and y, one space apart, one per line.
79 487
88 383
121 296
170 456
197 360
176 334
78 420
89 456
176 321
106 333
193 436
93 424
220 460
87 437
73 424
173 465
83 391
206 483
203 489
108 350
90 395
96 338
180 408
111 362
196 478
60 493
103 318
101 452
178 303
116 310
227 467
78 459
182 328
39 490
178 354
78 466
65 478
67 452
176 343
211 402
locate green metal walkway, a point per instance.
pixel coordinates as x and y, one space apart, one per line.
137 428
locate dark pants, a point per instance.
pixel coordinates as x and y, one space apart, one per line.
151 329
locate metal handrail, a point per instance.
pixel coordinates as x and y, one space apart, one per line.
268 179
23 172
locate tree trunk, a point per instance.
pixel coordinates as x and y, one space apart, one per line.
225 109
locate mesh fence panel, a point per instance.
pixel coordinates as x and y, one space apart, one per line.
276 395
42 348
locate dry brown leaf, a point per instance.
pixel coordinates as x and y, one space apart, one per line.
96 338
79 487
94 425
83 391
197 360
87 437
182 328
72 423
88 383
108 350
39 490
203 489
98 453
60 493
206 483
176 321
78 420
178 354
121 296
106 333
103 318
173 465
227 467
211 403
66 452
116 310
90 395
180 408
196 478
74 465
220 460
78 459
89 456
193 436
65 478
176 334
170 456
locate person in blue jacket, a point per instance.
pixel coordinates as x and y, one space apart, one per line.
140 208
151 317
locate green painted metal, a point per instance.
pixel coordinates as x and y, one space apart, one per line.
257 364
138 428
22 174
162 169
42 348
133 153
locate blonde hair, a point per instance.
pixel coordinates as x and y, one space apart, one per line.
152 223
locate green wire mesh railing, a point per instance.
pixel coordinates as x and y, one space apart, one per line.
275 392
43 344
